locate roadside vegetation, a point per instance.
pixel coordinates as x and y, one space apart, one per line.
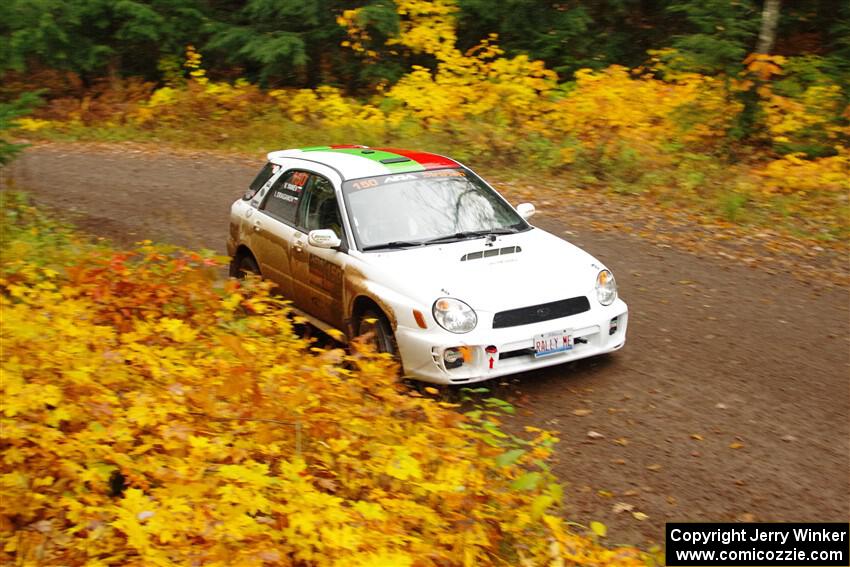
155 414
684 118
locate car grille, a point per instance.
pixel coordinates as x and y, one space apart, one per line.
542 312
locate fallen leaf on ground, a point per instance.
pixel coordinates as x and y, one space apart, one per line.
696 436
599 528
654 467
621 507
582 412
736 445
595 435
640 516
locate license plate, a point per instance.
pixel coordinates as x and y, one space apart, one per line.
552 343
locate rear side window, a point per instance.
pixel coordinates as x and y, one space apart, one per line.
284 196
265 174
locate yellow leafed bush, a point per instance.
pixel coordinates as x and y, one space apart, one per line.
155 415
811 118
795 174
614 106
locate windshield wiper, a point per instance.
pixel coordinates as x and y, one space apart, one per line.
393 244
467 234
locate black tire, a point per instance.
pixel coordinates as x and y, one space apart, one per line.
244 265
376 323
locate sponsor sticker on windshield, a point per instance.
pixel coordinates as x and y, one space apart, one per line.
371 182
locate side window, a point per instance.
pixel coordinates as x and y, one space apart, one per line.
283 197
319 208
265 174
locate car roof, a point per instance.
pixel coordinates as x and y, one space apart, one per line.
354 162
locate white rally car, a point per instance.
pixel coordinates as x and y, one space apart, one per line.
419 251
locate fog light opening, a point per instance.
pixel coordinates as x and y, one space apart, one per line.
453 358
613 325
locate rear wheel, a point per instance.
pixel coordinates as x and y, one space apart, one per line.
244 265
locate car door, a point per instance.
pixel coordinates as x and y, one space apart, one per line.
318 272
273 228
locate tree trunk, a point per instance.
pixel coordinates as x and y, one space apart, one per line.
769 21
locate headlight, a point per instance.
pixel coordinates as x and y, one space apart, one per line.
606 287
454 315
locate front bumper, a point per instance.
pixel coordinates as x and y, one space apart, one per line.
600 330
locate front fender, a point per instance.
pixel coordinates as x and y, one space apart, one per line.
397 306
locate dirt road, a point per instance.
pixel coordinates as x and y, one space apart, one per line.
729 402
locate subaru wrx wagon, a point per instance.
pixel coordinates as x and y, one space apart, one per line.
422 254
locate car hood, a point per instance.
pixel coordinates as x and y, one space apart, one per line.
531 267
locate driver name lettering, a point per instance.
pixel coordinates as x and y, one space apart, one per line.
284 196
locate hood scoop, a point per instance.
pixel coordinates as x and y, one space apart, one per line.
490 253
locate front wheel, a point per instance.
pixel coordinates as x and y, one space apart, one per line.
376 324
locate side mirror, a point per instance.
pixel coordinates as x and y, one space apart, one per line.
323 238
525 210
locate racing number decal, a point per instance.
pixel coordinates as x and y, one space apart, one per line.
296 182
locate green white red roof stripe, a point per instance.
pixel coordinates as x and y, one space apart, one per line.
357 162
394 159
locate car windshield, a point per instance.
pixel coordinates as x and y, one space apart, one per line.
426 207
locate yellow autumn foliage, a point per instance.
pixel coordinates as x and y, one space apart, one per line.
810 188
480 84
426 26
811 116
616 106
154 414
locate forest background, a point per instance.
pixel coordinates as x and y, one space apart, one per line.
735 110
